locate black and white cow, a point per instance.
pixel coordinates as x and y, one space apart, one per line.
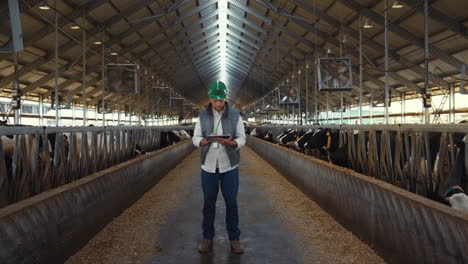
304 138
269 136
457 178
324 144
289 137
265 135
168 138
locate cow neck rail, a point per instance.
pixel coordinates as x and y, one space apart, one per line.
423 159
448 128
31 130
37 159
401 226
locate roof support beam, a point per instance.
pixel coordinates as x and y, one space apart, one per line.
371 43
439 17
329 39
403 33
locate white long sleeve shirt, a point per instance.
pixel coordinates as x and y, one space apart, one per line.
217 156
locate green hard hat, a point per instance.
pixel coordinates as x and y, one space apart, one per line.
217 90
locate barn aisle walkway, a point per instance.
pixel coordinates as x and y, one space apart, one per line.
279 224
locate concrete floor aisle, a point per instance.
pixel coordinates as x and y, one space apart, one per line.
279 224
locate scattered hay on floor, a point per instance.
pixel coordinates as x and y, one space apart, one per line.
318 235
131 236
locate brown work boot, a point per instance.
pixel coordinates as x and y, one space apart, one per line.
236 247
205 246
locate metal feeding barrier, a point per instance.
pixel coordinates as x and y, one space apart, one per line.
417 158
36 159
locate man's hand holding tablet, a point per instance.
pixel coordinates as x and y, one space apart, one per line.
213 138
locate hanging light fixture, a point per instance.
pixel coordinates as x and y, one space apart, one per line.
75 27
397 4
113 54
329 51
44 6
367 24
97 42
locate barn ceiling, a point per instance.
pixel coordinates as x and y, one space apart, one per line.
250 44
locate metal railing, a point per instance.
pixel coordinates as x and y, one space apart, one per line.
36 159
417 158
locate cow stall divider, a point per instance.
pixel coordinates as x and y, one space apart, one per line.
417 158
36 159
53 225
401 226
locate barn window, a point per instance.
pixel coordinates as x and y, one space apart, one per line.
27 109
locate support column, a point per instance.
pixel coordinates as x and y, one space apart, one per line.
73 113
96 115
56 62
118 115
146 99
299 88
85 104
41 110
326 118
426 63
360 70
452 103
316 90
371 121
112 113
341 93
103 74
349 114
293 113
16 93
307 92
387 67
403 108
130 110
138 107
341 110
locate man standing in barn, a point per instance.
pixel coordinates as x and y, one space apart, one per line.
220 134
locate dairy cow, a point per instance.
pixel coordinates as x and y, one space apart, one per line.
457 179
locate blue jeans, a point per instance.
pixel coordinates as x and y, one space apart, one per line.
229 182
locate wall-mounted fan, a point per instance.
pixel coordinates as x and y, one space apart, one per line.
334 74
259 108
64 99
380 100
107 109
271 102
288 94
122 78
